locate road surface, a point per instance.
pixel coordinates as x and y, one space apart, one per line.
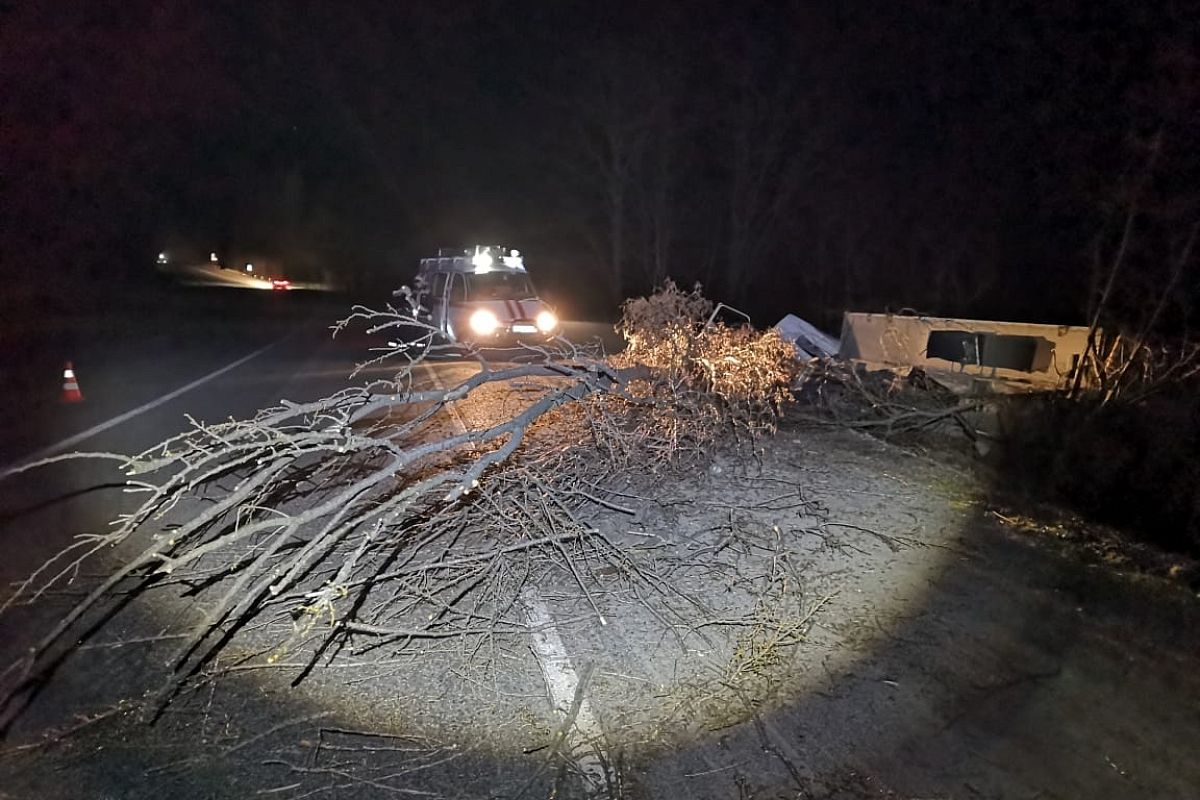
142 384
963 662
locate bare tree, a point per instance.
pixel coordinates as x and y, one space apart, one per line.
618 125
657 193
1139 340
777 125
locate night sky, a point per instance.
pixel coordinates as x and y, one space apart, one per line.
957 159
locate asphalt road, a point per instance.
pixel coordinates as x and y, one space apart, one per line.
227 355
973 663
228 358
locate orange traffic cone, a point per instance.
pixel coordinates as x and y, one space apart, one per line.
71 393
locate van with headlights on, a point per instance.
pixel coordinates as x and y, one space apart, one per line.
483 296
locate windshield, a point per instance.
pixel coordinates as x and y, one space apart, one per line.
499 286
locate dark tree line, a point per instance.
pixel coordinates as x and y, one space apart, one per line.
791 156
958 162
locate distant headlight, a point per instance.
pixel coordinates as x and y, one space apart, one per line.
546 322
484 322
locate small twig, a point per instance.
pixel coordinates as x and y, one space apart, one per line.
562 734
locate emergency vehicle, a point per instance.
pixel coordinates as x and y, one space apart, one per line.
482 295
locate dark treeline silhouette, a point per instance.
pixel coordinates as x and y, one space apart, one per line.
972 160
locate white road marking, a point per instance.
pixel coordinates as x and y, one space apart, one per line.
563 682
69 442
546 644
459 422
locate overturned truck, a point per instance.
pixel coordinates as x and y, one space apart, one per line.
967 355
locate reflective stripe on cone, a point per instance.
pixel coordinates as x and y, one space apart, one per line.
71 393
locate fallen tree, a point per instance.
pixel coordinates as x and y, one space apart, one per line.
376 517
891 404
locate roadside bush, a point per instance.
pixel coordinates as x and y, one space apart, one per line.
1136 466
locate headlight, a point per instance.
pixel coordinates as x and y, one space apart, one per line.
484 322
546 321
